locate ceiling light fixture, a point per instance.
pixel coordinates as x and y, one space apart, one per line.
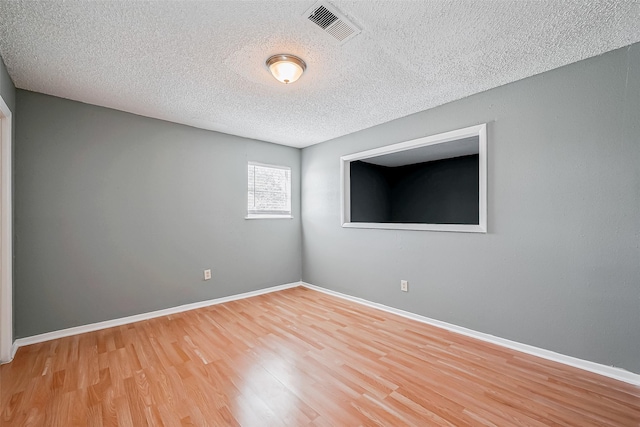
286 68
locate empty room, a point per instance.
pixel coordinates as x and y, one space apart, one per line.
320 213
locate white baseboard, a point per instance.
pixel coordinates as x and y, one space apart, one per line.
21 342
12 354
607 371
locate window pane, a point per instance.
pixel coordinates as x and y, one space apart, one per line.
269 189
251 175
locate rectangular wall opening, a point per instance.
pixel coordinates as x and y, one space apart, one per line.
432 183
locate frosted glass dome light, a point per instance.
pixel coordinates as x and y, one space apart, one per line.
286 68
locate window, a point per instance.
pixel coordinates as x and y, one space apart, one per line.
436 183
269 194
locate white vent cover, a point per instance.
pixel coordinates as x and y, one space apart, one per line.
332 22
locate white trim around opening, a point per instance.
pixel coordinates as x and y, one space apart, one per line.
6 236
479 131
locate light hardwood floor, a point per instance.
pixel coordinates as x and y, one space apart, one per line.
296 358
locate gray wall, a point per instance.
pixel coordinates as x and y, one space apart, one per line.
560 265
118 214
370 193
437 192
441 192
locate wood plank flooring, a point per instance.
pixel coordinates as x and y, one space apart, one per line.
298 358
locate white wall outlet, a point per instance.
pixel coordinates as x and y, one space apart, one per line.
404 286
207 274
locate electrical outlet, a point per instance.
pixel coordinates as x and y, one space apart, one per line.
404 286
207 274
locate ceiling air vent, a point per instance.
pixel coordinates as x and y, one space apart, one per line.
332 22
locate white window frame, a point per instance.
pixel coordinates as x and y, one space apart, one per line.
269 214
472 131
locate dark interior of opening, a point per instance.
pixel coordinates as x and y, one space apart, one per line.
437 192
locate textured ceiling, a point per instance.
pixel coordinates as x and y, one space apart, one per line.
202 63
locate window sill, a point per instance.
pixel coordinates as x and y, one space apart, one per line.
461 228
267 216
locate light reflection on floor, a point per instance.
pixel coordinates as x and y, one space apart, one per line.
268 389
